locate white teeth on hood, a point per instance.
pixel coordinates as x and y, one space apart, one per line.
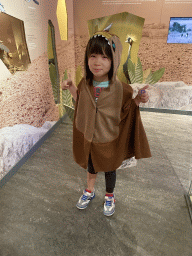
102 36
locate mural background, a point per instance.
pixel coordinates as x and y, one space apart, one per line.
27 105
154 51
27 97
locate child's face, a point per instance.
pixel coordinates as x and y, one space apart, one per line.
99 65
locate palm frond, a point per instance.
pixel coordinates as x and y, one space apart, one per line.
139 72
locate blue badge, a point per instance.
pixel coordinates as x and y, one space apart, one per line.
113 45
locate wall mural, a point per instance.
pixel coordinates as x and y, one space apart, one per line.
13 48
27 103
62 19
53 64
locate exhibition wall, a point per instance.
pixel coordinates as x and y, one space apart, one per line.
35 104
26 90
26 97
27 101
154 50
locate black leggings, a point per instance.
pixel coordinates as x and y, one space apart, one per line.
110 177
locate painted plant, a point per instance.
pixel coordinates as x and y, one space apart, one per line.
134 72
137 75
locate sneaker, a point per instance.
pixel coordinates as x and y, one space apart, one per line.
85 199
109 205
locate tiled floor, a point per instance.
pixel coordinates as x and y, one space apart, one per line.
174 132
38 215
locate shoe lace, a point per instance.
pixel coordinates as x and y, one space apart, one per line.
108 202
84 197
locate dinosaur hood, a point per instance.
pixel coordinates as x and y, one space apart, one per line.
116 49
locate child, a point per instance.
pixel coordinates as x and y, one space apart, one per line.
107 127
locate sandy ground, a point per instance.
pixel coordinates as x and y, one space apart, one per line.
66 56
155 53
26 97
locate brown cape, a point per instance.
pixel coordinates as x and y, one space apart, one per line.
110 130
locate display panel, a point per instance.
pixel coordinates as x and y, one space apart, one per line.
13 47
180 30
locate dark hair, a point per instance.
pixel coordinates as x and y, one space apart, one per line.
97 45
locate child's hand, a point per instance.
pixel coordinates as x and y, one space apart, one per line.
67 83
142 95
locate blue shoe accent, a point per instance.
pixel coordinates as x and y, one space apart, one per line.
85 199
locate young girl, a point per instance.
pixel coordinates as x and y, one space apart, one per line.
107 127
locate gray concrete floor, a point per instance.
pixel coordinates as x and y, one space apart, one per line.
38 215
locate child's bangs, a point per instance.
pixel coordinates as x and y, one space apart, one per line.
100 46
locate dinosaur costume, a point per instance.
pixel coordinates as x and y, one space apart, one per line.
111 129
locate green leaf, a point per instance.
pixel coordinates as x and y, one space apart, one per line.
149 79
53 78
65 77
139 72
145 74
131 71
78 75
66 97
155 77
70 111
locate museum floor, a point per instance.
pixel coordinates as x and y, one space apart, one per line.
38 214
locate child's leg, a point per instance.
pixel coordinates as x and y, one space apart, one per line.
110 180
88 194
91 181
109 205
91 175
